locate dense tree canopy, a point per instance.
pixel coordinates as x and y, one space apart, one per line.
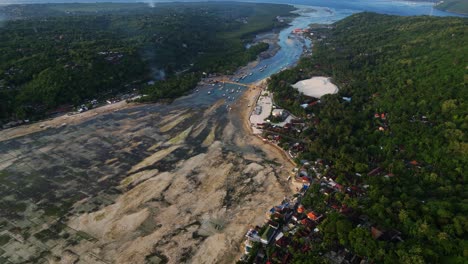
407 80
58 54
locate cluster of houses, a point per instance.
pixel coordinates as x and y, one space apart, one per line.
285 135
300 31
12 71
14 123
285 226
111 56
294 227
280 19
422 119
381 121
243 20
70 109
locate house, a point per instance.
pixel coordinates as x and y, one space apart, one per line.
313 103
392 235
376 233
298 31
309 224
374 171
300 209
314 216
282 241
268 235
279 113
304 179
297 217
248 246
252 235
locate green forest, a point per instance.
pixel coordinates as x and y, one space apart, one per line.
58 55
407 123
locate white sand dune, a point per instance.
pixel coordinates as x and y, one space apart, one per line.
316 87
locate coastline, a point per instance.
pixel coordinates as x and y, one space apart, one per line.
250 97
242 112
271 37
63 120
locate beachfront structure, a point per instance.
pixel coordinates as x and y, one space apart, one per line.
280 114
268 234
252 235
258 109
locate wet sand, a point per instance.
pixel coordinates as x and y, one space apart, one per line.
181 182
62 120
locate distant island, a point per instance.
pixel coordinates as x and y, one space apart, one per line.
454 6
55 58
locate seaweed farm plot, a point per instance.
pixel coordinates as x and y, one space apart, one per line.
51 175
129 185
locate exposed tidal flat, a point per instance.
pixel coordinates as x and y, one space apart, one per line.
182 182
131 183
177 182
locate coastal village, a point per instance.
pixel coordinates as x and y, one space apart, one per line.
294 225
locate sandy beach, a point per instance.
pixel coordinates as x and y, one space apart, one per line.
316 87
62 120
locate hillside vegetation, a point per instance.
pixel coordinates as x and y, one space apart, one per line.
56 55
413 70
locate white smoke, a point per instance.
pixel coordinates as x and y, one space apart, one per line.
151 4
